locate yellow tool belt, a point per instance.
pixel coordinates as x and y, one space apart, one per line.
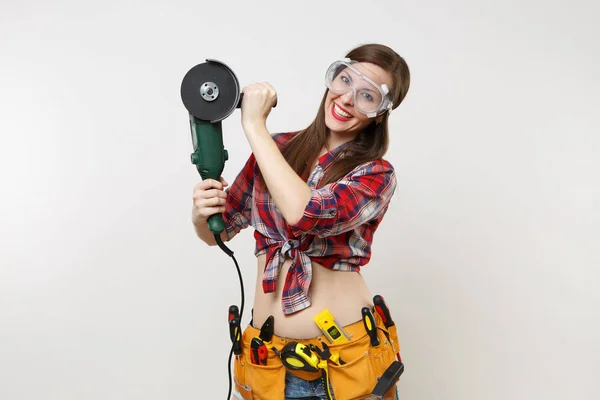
355 379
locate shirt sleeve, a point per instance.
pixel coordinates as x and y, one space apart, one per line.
361 196
238 206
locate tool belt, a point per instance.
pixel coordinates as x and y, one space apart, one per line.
363 364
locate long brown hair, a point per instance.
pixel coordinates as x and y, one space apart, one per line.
371 143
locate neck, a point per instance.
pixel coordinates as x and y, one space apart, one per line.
335 139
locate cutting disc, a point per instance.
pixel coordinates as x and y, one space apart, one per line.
210 91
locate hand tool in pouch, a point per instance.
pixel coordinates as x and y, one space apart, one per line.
326 354
384 312
387 380
298 356
234 312
370 325
331 330
258 352
235 334
267 330
259 346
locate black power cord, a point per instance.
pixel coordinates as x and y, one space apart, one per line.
228 251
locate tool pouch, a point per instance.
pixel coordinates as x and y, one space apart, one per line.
260 382
393 337
364 365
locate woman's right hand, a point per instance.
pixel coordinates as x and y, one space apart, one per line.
209 198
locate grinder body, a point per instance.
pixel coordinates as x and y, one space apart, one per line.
209 156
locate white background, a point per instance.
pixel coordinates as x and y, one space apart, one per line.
488 255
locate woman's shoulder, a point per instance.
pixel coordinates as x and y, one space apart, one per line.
378 166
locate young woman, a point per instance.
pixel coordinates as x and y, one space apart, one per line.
315 199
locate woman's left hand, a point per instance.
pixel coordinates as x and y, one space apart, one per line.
257 102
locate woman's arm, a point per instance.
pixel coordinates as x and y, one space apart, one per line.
290 193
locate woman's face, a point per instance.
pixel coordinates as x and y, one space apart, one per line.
341 117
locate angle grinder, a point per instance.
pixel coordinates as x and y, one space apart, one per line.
210 92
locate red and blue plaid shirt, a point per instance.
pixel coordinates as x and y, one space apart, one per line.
336 229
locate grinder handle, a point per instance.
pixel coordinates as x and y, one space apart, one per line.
216 223
239 105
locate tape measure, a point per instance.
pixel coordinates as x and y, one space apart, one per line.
299 357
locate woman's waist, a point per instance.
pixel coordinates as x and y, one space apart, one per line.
342 293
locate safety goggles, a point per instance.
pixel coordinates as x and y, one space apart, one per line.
369 98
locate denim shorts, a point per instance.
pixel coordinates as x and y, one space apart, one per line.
299 389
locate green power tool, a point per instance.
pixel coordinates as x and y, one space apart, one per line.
210 92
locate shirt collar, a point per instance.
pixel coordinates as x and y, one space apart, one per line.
326 159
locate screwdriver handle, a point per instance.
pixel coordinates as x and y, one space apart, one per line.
234 312
235 335
383 310
370 326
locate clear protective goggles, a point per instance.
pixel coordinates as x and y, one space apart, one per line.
369 98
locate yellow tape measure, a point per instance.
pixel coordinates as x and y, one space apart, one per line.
298 356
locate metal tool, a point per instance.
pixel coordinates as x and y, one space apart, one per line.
370 325
267 329
258 352
326 354
387 380
259 346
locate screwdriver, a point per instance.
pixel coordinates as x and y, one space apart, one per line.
234 312
234 329
370 326
235 335
383 310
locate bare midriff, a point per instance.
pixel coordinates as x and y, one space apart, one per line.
343 293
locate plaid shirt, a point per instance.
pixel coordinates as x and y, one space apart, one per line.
336 229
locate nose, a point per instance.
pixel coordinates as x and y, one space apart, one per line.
347 97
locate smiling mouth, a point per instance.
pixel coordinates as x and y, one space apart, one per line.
339 113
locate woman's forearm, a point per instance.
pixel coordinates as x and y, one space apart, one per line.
290 193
